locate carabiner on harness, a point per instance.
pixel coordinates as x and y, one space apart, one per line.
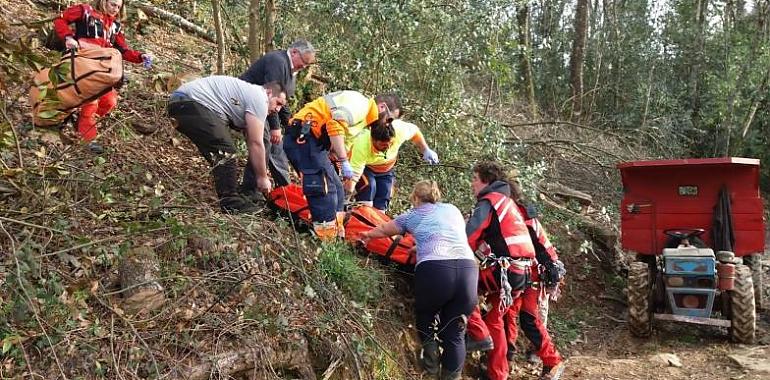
506 296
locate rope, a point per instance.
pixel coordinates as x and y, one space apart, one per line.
506 298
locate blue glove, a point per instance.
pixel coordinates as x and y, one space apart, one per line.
147 61
347 169
430 156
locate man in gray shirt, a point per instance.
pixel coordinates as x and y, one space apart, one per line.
206 108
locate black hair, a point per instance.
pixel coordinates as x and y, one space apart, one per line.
383 131
489 171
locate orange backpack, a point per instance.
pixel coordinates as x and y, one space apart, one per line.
91 74
366 218
290 200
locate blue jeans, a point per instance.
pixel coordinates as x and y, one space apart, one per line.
376 188
320 182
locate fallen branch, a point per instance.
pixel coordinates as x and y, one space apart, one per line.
9 220
557 190
177 20
605 237
612 298
233 362
562 122
576 146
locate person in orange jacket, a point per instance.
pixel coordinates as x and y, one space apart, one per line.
96 25
327 126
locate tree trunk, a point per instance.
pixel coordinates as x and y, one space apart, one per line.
255 48
295 358
696 57
577 58
525 51
217 14
139 272
269 29
175 19
611 38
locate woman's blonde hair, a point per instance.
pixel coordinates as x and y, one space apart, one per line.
99 6
426 191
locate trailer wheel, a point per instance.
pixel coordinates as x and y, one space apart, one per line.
639 315
742 313
754 262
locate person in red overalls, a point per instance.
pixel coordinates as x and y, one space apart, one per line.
96 26
507 272
551 270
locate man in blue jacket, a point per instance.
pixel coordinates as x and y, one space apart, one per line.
276 66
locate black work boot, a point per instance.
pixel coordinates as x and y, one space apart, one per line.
430 357
226 186
531 356
95 147
453 375
472 345
552 373
253 195
237 205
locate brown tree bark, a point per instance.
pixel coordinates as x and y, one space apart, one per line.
615 66
175 19
255 48
295 359
216 6
577 58
269 30
139 272
525 51
696 57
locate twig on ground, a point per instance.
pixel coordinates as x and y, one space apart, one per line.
84 245
9 220
133 329
613 298
15 137
115 360
31 306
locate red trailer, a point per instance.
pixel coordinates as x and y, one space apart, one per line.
674 215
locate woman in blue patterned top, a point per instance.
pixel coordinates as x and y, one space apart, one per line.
445 277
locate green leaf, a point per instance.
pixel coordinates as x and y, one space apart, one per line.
8 343
53 78
49 114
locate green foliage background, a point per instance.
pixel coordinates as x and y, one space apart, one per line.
650 67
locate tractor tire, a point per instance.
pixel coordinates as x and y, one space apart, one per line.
743 315
754 262
639 314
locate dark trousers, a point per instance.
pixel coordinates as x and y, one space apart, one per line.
211 135
447 289
320 183
376 188
277 164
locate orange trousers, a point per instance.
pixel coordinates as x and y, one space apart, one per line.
88 112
